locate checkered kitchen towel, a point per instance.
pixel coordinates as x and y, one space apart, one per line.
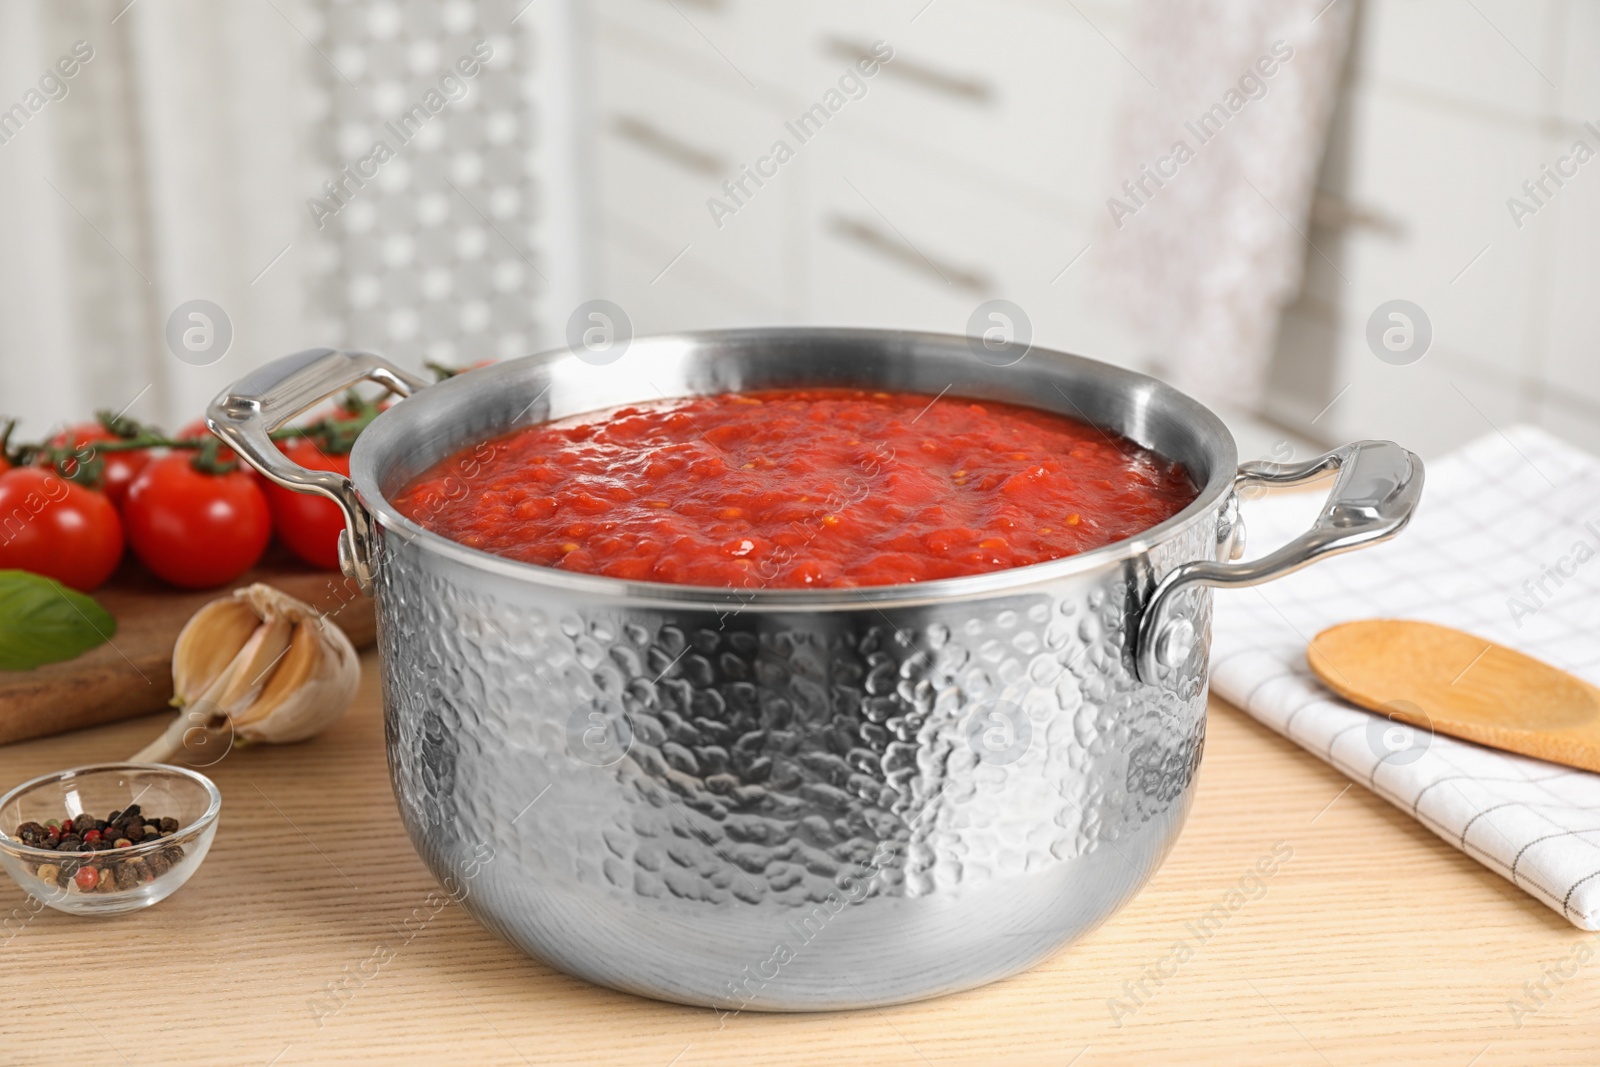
1506 545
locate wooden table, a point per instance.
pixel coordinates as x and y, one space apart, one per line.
1374 943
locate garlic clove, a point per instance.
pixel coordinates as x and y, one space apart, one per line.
255 662
315 675
208 644
300 661
257 666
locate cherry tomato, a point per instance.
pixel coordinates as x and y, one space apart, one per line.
52 527
120 468
194 529
309 525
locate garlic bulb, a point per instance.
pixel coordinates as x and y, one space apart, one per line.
256 666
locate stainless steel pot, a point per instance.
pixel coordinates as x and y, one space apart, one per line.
794 799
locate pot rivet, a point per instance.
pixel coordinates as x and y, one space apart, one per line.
1175 643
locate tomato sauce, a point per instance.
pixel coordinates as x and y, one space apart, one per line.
798 488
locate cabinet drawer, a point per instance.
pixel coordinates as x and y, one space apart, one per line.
664 147
740 45
684 296
1020 93
892 244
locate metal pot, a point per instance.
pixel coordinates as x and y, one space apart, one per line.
794 799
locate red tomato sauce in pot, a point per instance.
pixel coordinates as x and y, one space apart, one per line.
798 488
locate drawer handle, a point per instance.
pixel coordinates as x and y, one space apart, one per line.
963 88
1332 212
898 251
657 141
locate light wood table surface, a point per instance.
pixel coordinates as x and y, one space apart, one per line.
1374 943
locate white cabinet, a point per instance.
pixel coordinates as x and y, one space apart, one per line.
963 169
974 165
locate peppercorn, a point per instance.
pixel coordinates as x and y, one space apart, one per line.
122 842
48 873
169 825
70 843
87 878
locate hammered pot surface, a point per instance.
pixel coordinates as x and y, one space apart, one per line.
769 810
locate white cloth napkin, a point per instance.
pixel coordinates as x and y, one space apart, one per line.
1506 545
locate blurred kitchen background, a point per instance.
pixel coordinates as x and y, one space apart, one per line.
183 160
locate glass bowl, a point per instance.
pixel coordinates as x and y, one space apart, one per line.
128 878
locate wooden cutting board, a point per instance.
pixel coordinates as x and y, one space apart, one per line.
132 675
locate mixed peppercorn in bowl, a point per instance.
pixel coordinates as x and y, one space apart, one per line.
157 826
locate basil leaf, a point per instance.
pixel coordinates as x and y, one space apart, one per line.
42 621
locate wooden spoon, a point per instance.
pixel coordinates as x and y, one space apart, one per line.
1442 679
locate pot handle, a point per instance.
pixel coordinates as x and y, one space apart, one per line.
248 411
1374 497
